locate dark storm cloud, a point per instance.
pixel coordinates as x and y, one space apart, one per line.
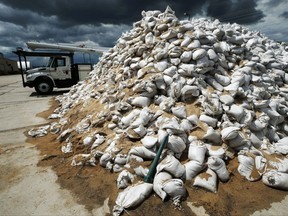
275 3
103 21
242 12
127 11
285 15
23 17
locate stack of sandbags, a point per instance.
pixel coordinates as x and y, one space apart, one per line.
215 88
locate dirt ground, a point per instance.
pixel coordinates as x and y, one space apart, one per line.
91 185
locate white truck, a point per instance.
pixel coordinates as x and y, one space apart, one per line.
60 72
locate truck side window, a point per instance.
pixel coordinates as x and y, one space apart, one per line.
61 62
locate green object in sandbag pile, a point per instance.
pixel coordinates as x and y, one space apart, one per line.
150 176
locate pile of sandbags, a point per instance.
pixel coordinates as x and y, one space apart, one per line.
218 90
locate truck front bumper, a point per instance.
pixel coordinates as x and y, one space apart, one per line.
29 84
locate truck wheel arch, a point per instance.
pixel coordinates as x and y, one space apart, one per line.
43 85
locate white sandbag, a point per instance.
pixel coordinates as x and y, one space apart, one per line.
39 132
179 111
149 141
172 165
193 119
55 127
131 197
175 189
212 55
237 112
185 42
207 180
54 116
67 148
115 168
219 167
175 90
188 92
171 71
105 158
186 56
199 53
161 135
98 141
169 123
281 146
239 142
223 80
226 99
275 117
276 179
142 152
149 38
197 151
215 150
194 44
229 133
186 126
260 123
280 165
120 159
158 181
128 119
141 101
144 117
166 104
247 167
260 164
212 135
83 159
141 171
193 168
216 85
87 140
131 158
176 144
140 131
208 120
124 179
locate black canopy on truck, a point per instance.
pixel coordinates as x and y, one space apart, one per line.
23 54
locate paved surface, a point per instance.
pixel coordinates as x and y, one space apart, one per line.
26 189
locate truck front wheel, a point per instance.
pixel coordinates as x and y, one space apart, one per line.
44 87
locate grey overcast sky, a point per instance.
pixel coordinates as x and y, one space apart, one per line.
103 21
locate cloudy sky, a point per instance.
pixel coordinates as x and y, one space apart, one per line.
103 21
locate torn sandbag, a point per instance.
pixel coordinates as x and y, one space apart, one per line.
39 131
159 179
175 189
276 179
124 179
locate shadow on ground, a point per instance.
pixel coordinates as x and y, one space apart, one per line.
54 93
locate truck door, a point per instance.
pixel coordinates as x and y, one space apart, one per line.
61 67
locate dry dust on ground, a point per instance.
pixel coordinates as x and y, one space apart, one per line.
93 185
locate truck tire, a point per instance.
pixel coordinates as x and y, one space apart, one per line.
44 86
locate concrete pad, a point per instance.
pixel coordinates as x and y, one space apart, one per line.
25 188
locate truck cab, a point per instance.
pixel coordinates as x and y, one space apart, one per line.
60 71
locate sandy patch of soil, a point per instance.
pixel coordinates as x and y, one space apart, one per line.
92 186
